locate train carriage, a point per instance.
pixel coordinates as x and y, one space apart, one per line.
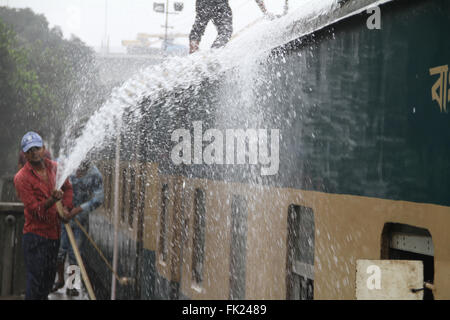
363 170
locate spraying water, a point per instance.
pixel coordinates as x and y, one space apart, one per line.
254 44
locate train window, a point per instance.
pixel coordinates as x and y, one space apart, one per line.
111 189
163 223
106 182
104 171
405 242
238 250
132 197
300 253
198 253
124 194
141 208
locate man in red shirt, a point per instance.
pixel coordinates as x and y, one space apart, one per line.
35 186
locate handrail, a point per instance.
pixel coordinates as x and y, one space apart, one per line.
11 206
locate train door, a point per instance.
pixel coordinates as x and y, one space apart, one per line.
405 242
238 250
407 268
300 254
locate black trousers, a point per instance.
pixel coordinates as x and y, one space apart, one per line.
219 12
40 255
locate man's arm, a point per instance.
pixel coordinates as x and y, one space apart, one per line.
267 15
95 201
98 195
36 207
261 6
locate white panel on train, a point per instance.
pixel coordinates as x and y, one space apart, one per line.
389 279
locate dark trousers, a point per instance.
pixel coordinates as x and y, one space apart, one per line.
219 12
65 245
40 256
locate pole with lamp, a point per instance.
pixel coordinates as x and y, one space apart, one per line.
161 7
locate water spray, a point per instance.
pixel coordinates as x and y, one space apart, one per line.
150 83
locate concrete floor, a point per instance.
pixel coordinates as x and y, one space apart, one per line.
61 295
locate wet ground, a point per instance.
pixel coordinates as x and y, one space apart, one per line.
61 294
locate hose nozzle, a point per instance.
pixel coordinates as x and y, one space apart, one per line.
126 281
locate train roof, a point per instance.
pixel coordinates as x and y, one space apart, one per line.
304 24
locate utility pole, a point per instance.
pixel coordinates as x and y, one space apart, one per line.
157 7
286 7
105 42
166 27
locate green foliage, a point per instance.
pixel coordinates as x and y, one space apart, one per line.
21 93
43 77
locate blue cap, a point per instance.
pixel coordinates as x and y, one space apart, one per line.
31 139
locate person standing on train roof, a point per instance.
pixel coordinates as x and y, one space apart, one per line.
87 183
35 186
219 12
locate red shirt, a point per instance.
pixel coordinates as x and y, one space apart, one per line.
34 191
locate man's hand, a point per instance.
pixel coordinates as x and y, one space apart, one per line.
74 212
66 217
70 215
57 195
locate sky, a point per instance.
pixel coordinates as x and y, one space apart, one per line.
94 21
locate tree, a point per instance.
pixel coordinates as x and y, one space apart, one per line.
44 80
20 91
